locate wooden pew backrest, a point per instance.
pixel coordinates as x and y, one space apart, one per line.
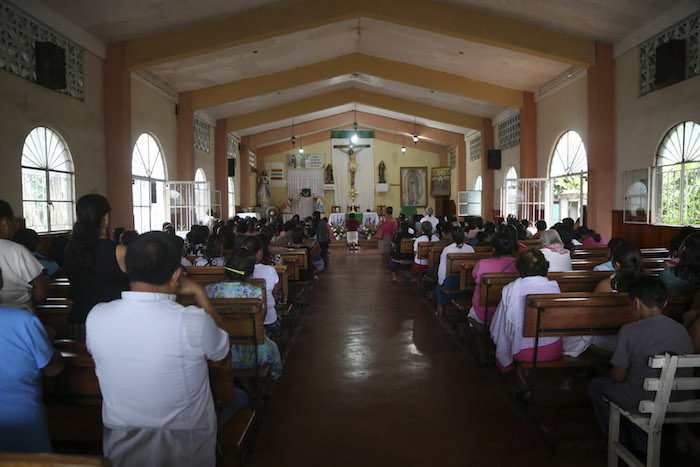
454 261
423 248
406 245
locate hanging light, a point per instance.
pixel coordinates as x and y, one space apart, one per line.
415 137
403 145
403 149
415 130
301 144
294 140
354 137
301 149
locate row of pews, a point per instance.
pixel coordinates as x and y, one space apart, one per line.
73 398
577 311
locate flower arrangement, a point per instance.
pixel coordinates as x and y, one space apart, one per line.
369 229
338 230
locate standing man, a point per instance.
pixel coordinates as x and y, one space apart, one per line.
151 357
430 218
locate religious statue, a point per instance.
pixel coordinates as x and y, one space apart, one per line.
319 204
287 206
329 175
382 168
263 190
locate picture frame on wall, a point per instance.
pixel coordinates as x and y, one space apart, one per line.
414 186
440 181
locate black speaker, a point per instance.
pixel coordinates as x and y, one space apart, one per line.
670 63
232 167
494 159
50 61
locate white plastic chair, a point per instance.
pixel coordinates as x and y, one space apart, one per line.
661 409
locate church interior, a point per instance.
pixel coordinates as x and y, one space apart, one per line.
192 112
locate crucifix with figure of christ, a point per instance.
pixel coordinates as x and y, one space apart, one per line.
352 152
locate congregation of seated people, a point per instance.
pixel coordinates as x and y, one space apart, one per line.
531 250
149 351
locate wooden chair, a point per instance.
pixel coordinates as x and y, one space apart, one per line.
660 411
51 460
406 245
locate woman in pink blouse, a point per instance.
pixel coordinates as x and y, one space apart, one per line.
502 262
388 227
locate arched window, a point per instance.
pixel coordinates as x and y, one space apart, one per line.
477 184
148 171
231 198
568 172
510 185
201 194
47 182
678 176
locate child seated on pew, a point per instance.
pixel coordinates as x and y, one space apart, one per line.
612 244
213 253
273 323
450 283
27 354
239 269
652 333
509 319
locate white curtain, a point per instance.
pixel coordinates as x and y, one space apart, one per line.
364 177
298 180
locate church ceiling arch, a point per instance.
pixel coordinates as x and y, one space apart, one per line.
352 95
438 17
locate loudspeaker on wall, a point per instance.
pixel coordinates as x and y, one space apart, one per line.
232 167
670 63
50 61
494 159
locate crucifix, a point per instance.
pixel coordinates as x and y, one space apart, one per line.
352 164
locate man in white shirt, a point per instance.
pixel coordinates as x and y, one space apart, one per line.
430 218
25 282
151 357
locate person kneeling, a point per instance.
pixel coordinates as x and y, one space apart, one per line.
151 357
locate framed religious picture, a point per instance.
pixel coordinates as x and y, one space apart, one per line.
414 186
440 181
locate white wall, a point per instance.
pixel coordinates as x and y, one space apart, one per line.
642 122
565 109
154 113
473 169
26 105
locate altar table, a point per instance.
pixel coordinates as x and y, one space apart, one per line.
363 217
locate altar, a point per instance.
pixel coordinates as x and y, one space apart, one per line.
364 218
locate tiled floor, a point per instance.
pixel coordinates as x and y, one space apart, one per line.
373 378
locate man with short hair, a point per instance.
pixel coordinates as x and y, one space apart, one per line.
151 357
430 218
25 282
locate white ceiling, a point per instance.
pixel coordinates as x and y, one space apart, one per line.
113 20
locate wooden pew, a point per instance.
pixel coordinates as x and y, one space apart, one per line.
584 314
59 288
433 263
406 245
50 460
588 263
54 313
423 254
454 268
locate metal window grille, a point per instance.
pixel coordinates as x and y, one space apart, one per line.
201 134
475 149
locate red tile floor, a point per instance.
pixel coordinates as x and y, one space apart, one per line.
374 378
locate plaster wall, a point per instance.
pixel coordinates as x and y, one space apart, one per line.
565 109
27 105
642 122
152 112
473 169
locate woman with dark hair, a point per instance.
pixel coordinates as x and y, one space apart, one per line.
509 318
420 265
94 264
197 240
239 269
566 234
591 237
400 261
269 258
272 323
686 275
502 262
213 253
627 261
387 229
612 244
450 283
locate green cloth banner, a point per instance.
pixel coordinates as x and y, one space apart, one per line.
409 211
366 134
358 216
